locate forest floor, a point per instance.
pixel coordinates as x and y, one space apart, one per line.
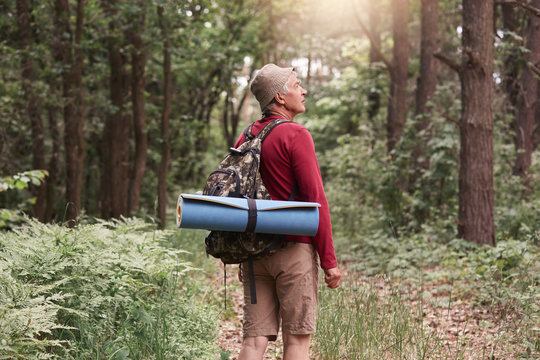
467 332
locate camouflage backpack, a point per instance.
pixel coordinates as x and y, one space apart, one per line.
238 176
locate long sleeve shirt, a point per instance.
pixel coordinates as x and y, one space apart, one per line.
288 158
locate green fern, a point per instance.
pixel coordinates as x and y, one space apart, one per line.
113 289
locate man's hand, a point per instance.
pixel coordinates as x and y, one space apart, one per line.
332 277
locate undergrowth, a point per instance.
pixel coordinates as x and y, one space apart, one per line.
370 320
110 290
385 224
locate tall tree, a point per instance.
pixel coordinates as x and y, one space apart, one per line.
165 114
511 62
476 193
116 132
536 135
397 104
52 112
231 113
138 63
398 68
375 55
33 106
71 55
528 102
426 82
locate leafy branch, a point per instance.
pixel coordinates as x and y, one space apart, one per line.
22 180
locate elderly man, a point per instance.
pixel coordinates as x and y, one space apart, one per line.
287 281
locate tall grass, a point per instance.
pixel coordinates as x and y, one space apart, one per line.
369 320
111 290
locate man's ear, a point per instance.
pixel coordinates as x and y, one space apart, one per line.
279 98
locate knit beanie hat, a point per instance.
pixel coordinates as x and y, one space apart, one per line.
268 82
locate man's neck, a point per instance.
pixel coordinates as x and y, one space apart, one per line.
282 113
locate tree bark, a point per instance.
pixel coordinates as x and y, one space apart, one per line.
374 97
73 107
536 135
32 105
528 102
476 194
52 110
511 63
426 83
425 88
166 142
397 105
138 63
116 132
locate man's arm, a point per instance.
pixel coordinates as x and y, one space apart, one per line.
309 180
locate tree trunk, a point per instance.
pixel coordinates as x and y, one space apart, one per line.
79 101
536 135
511 63
425 88
231 115
166 142
374 97
32 105
52 110
73 107
528 100
426 84
116 132
225 117
397 105
138 63
475 221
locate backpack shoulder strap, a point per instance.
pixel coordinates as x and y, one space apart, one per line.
248 134
268 128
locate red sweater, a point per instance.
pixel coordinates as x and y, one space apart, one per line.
288 156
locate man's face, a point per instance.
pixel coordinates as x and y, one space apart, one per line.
295 102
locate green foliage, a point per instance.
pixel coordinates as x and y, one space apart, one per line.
213 44
18 182
342 106
386 223
109 290
508 272
366 184
505 278
412 195
22 180
517 217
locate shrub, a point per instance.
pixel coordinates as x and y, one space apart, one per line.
108 290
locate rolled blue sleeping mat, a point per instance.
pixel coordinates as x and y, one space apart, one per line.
233 214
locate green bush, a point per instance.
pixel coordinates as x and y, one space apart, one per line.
109 290
11 192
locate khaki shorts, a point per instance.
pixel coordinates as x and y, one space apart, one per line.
286 285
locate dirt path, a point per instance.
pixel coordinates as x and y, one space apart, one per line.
474 333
